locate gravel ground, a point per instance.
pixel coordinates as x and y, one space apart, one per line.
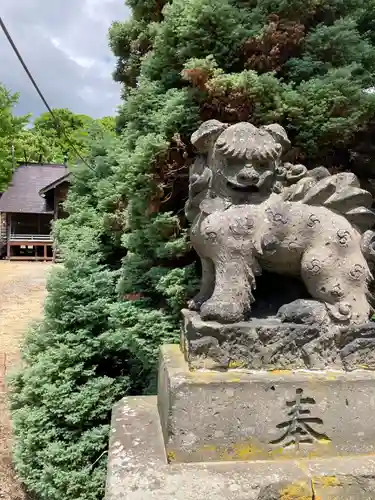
22 293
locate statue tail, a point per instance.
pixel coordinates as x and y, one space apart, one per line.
342 194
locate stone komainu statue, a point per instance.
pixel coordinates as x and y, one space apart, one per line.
252 212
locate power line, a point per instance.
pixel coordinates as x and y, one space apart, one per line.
59 127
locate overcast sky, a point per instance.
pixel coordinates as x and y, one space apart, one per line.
65 45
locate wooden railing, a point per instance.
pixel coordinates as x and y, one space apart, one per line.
40 238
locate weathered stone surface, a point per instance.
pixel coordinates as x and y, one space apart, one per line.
270 344
344 488
138 468
322 488
251 212
244 415
257 344
357 347
290 491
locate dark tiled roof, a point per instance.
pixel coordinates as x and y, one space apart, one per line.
53 185
23 195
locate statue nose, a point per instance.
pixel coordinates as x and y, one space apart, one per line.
248 178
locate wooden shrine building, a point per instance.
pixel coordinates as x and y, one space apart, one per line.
33 200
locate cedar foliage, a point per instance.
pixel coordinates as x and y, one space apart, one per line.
129 267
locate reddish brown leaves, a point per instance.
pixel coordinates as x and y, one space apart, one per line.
229 106
279 41
197 77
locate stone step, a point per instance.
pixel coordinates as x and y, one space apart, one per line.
138 468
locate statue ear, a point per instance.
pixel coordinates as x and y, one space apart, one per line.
206 135
279 134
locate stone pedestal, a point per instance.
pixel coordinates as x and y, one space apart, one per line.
271 344
243 415
244 435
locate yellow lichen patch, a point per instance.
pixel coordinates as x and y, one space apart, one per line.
280 372
236 364
242 451
296 491
313 454
276 452
171 456
234 380
325 441
326 481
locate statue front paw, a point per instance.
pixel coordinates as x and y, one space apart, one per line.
223 312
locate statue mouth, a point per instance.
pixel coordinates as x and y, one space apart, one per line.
253 188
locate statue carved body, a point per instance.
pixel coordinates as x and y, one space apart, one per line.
250 212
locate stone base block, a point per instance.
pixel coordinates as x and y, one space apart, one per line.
270 344
240 415
138 469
